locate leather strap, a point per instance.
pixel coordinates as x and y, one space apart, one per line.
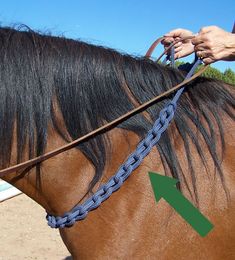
154 45
113 123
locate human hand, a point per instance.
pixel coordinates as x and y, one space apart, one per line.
182 48
213 44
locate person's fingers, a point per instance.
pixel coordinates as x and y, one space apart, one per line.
177 38
208 60
201 47
178 49
179 33
203 54
167 41
175 33
203 30
182 48
170 40
199 54
180 54
208 29
178 44
197 40
177 56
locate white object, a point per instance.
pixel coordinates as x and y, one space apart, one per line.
7 191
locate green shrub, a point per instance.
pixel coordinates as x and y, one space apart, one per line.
227 76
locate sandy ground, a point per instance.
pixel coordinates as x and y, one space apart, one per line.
25 234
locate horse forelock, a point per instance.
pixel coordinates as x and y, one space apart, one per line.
93 85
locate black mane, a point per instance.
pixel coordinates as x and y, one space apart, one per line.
88 83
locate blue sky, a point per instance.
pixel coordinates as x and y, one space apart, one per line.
127 25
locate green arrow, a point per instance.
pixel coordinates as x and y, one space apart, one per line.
164 187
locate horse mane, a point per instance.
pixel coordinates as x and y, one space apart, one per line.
89 84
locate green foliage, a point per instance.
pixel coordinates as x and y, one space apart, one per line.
213 73
227 76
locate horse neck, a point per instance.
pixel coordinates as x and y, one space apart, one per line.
126 224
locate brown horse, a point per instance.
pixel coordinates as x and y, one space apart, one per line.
54 90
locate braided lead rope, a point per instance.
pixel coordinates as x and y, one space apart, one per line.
79 212
115 182
170 57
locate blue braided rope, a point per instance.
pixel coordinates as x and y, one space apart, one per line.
170 57
79 212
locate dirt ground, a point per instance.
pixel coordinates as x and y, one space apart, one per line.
25 234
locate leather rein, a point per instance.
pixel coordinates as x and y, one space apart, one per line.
113 123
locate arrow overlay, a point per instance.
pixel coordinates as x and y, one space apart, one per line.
164 187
